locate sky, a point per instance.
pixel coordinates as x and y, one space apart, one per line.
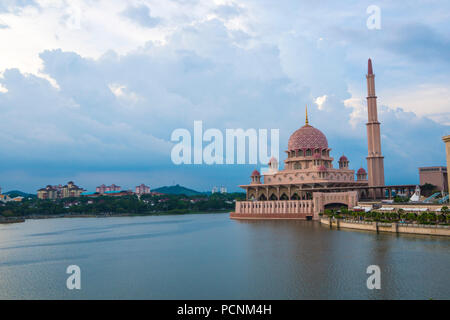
91 90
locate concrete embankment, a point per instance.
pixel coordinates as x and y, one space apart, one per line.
433 230
11 220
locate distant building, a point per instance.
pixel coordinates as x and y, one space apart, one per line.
5 198
59 191
119 193
219 190
434 175
142 189
71 190
48 193
103 189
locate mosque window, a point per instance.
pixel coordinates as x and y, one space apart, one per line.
308 152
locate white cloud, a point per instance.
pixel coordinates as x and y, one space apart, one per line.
424 99
121 92
320 101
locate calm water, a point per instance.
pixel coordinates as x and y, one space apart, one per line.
213 257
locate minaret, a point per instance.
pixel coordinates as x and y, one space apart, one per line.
375 160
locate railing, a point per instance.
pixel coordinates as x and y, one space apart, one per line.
275 207
400 224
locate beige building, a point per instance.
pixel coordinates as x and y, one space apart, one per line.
436 176
447 150
71 190
56 192
48 193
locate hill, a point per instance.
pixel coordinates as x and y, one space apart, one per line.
177 190
16 193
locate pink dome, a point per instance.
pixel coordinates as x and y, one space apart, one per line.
307 137
322 168
343 158
255 173
361 171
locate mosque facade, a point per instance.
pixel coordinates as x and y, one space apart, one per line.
309 183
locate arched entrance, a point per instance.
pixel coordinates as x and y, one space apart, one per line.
273 197
363 194
336 206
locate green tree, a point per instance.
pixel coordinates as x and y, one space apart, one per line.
8 213
428 189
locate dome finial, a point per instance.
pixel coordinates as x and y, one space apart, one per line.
306 112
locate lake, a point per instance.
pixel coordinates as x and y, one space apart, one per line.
209 256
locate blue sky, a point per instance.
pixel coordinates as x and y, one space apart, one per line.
91 91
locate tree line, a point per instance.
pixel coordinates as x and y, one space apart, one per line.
428 217
130 204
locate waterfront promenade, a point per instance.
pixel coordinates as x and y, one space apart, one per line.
394 227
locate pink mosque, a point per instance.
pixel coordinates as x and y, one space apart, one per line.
308 183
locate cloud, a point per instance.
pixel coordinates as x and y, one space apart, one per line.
141 15
121 88
228 11
13 5
420 43
320 101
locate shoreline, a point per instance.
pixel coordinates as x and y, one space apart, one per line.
397 228
12 220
